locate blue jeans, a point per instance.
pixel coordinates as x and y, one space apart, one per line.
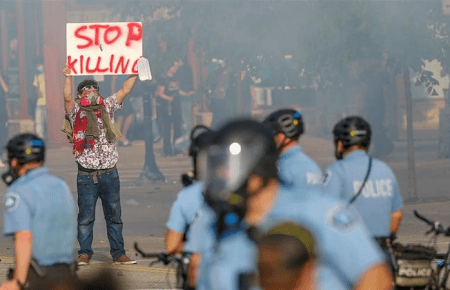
108 189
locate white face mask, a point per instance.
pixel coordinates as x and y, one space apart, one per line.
92 98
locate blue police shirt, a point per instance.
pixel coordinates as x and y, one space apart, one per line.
42 203
379 197
296 169
185 208
343 246
222 261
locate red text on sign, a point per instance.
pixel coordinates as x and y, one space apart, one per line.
110 34
111 65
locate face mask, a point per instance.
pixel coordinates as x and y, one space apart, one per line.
10 176
229 215
188 178
92 98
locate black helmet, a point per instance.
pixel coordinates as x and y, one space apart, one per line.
201 136
26 148
351 131
286 121
240 148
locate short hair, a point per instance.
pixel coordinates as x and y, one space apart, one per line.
85 83
282 258
292 251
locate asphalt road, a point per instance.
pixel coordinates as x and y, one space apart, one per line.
145 208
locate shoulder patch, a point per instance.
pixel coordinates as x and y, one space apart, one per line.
343 218
327 177
11 201
313 178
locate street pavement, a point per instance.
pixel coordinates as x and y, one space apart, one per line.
145 208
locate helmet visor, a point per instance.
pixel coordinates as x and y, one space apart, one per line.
227 167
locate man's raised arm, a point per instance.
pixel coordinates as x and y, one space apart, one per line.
126 88
68 99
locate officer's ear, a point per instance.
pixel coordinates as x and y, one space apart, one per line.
280 138
339 146
14 163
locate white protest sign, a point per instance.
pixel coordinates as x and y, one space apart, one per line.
107 48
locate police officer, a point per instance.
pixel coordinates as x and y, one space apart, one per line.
295 167
40 214
184 209
242 192
367 183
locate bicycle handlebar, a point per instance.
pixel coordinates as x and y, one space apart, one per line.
167 258
146 255
431 223
161 256
436 227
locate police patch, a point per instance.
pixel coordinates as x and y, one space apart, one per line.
11 201
343 218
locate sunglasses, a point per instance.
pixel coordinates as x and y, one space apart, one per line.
89 87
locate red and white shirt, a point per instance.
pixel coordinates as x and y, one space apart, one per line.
103 155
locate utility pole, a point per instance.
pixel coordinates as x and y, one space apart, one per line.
412 190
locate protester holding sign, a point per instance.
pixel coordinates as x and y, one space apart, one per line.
94 134
92 120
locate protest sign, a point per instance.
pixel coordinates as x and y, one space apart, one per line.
110 48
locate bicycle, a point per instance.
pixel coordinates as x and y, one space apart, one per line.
181 262
440 275
413 262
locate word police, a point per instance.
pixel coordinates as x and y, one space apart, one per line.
379 188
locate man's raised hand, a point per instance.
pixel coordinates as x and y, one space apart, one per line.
66 70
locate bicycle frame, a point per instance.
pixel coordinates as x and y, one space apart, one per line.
439 278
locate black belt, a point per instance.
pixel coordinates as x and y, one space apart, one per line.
93 172
384 242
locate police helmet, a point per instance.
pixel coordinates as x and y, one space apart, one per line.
26 148
240 148
286 121
201 136
351 131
